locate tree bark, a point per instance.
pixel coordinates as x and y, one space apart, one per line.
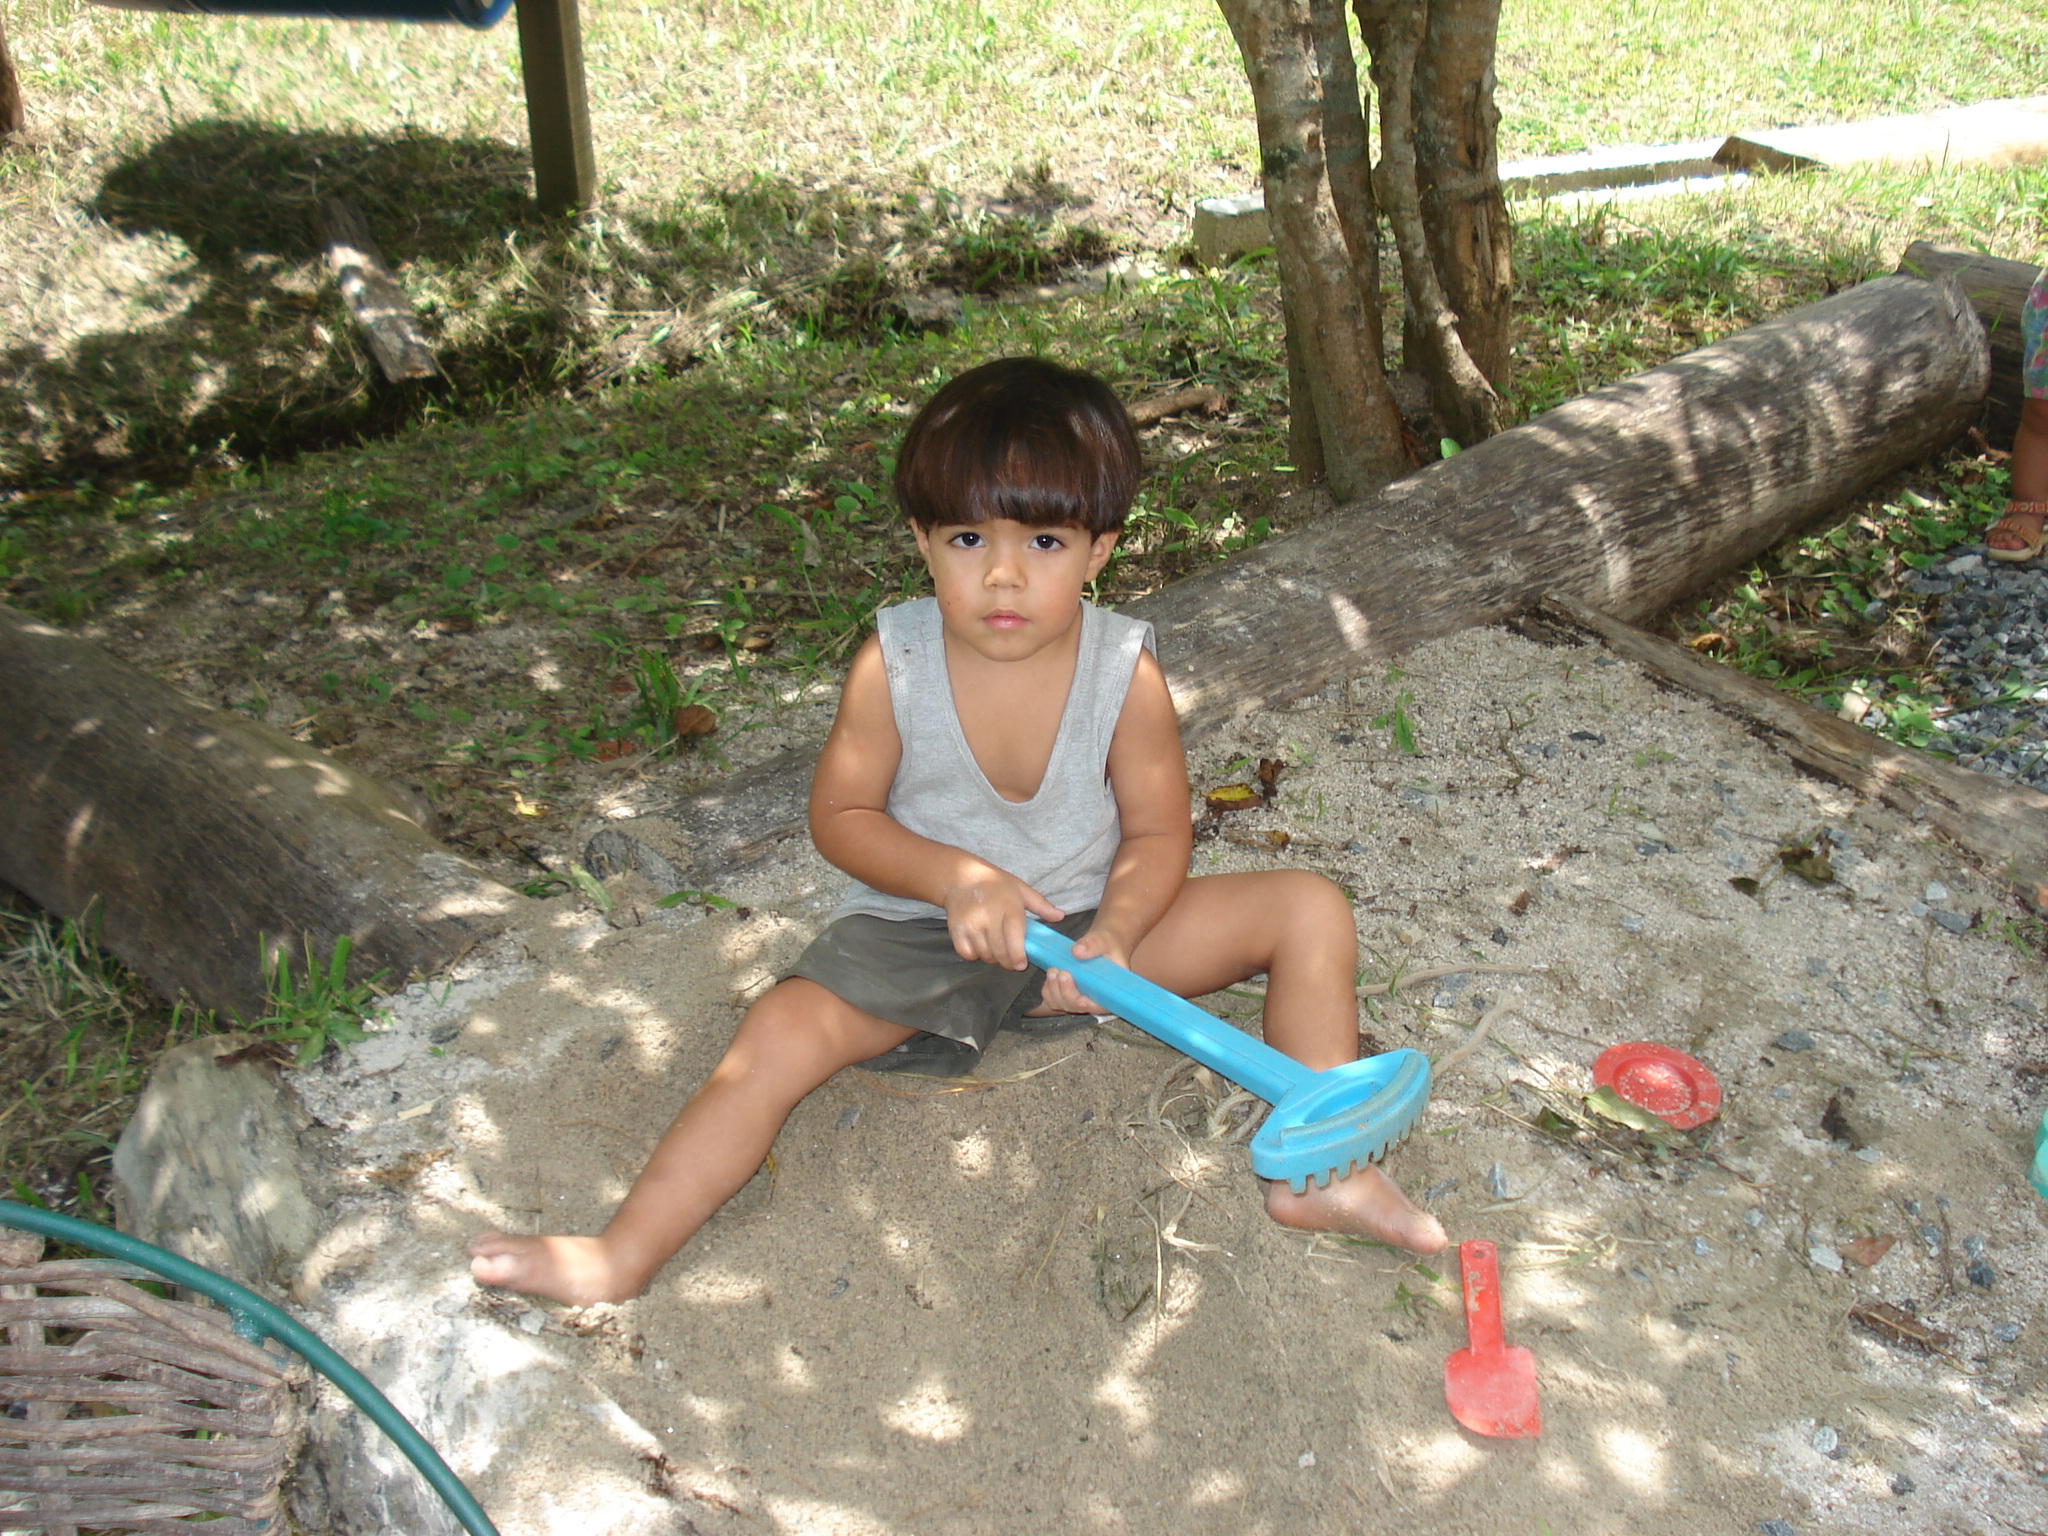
1464 208
1624 499
12 117
2004 825
1997 290
1334 335
1394 32
198 839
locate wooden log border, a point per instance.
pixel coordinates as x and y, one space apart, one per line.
193 839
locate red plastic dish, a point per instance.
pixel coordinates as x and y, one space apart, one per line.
1669 1084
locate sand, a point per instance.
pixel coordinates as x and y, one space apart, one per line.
1048 1299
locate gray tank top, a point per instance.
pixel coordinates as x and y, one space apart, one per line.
1061 841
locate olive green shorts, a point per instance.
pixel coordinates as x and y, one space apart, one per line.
905 971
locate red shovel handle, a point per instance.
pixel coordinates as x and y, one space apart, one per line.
1480 1263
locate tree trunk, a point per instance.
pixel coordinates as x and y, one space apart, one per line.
198 839
1997 290
1464 209
1395 32
1333 336
11 115
1625 499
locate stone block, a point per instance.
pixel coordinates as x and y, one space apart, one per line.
1228 227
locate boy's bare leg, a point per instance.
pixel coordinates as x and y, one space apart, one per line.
1297 928
791 1040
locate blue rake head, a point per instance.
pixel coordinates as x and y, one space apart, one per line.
1342 1119
1324 1125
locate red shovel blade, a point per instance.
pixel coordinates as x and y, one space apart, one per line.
1491 1388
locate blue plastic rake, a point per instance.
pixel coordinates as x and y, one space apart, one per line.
1323 1125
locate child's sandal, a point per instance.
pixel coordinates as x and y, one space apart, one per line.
2012 525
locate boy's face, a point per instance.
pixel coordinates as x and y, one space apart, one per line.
1009 590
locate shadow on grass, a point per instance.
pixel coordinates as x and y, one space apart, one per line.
233 191
243 350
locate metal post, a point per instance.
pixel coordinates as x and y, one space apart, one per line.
557 108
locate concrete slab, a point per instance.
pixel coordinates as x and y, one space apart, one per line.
1990 133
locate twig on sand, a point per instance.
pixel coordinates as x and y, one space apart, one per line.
1439 972
967 1084
1183 1183
1417 978
1472 1041
1564 1034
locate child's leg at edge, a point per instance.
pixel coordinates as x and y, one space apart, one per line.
795 1037
1296 927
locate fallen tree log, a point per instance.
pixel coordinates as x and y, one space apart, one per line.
196 838
1625 498
2004 825
1997 290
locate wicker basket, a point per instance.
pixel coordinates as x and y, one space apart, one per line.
127 1412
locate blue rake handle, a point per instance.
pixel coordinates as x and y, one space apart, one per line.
1323 1124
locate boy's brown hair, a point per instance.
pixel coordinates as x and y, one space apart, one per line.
1023 439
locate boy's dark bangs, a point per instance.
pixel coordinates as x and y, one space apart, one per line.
1023 440
1042 480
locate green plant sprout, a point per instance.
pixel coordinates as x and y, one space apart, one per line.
318 1009
1395 717
709 899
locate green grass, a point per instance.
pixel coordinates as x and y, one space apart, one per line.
1828 614
1573 76
78 1034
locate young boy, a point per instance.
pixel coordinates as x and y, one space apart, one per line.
1002 747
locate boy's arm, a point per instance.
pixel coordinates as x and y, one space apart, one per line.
1150 776
852 827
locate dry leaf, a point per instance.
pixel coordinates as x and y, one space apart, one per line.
1270 769
1895 1325
1867 1250
1808 863
694 720
1233 797
1265 842
1519 905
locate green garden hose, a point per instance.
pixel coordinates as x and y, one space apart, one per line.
256 1320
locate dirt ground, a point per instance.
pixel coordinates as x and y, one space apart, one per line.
1048 1299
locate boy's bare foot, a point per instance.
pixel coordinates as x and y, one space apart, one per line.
1366 1204
579 1271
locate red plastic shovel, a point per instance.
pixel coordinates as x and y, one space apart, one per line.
1490 1387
